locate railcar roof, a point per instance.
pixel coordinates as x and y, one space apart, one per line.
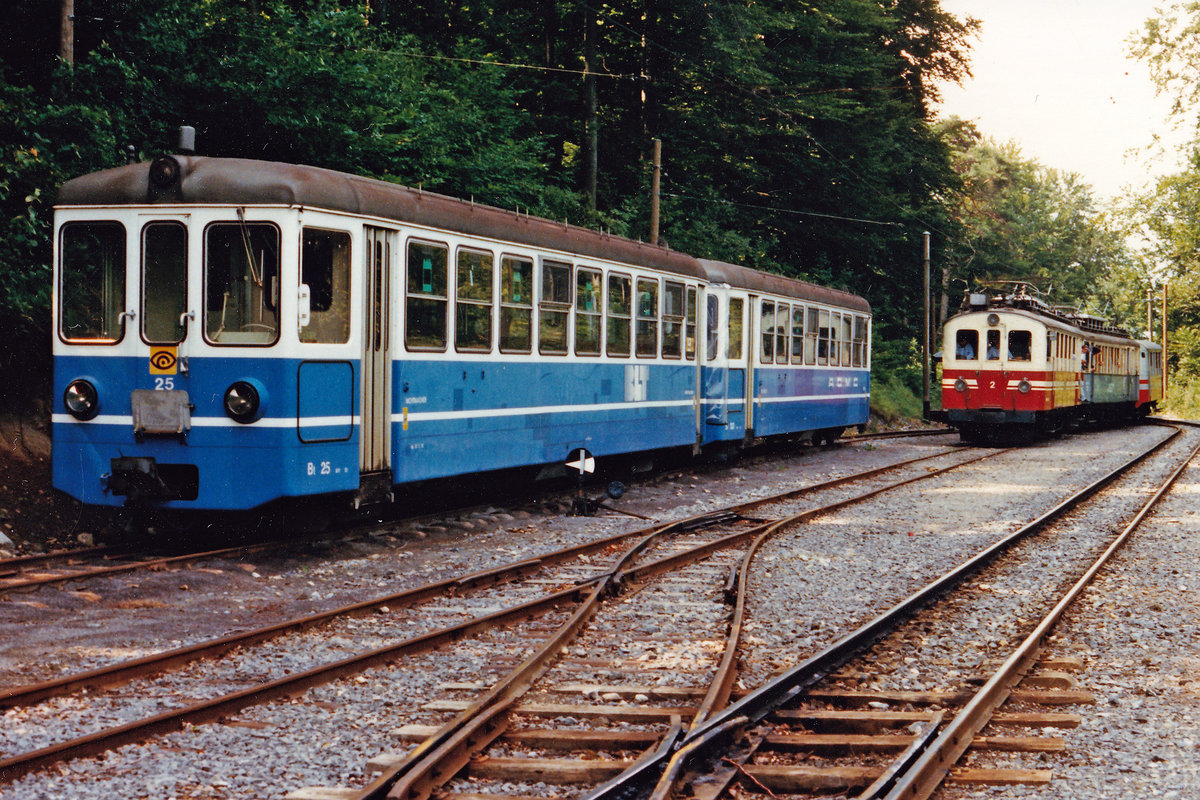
236 181
746 278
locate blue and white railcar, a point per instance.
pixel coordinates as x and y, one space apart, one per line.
229 333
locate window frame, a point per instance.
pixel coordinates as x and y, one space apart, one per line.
640 319
409 296
595 316
610 315
673 319
553 307
333 284
489 304
507 305
157 223
204 266
783 344
122 317
766 336
735 346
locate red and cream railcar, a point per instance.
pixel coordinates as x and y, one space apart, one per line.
1012 364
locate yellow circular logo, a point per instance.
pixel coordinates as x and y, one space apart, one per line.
163 361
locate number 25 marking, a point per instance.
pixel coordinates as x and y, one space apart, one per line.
164 384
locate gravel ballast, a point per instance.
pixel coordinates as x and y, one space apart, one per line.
1136 629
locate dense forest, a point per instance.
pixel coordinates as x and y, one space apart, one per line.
798 137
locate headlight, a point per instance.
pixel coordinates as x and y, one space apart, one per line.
960 386
164 171
1023 387
242 402
81 400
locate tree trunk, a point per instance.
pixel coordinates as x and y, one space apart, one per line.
66 48
591 120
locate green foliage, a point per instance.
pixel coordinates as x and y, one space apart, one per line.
797 136
1167 218
896 378
893 399
1024 221
41 145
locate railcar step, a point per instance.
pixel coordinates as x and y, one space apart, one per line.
374 488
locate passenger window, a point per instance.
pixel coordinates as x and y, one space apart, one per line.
966 345
767 334
737 327
241 284
860 341
847 337
1020 345
588 296
647 318
516 305
620 314
164 282
797 334
673 316
835 325
473 303
781 333
425 304
812 333
689 330
92 287
554 307
712 325
325 270
823 340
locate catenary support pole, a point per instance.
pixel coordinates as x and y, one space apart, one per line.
925 354
654 191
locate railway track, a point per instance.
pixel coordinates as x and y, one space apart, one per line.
577 583
76 565
619 720
836 723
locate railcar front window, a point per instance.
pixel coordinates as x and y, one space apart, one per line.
993 345
516 305
647 318
1020 345
164 282
241 284
325 270
425 305
92 289
473 308
966 345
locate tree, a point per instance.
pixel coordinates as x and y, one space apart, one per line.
1024 221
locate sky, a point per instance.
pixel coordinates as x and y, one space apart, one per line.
1055 77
